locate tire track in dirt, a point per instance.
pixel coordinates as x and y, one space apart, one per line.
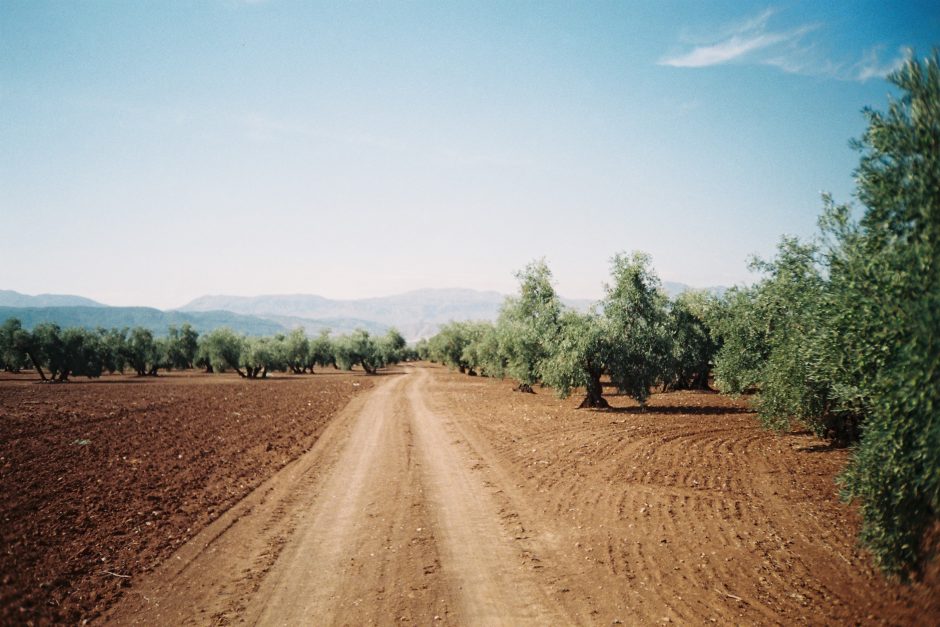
320 573
478 557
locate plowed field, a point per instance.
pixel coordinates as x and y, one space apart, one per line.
433 498
101 480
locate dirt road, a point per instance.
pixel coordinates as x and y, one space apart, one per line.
384 520
439 499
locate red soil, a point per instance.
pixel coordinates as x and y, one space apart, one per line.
101 479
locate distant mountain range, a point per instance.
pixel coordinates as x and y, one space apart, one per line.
415 314
147 317
9 298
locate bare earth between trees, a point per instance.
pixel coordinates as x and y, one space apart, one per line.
432 498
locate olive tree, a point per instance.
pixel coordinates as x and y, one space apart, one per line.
770 335
739 331
422 350
63 352
144 353
579 358
636 326
322 351
528 324
113 349
358 348
221 350
12 357
481 352
449 344
297 351
391 347
628 340
692 347
844 333
181 345
886 288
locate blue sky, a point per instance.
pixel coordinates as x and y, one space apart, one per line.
151 152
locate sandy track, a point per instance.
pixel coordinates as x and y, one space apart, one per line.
482 566
383 520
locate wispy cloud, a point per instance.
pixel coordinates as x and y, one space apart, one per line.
740 41
754 41
724 51
871 65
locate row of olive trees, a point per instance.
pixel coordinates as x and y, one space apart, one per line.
56 353
843 333
636 337
223 350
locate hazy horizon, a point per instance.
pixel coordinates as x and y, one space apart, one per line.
666 284
153 153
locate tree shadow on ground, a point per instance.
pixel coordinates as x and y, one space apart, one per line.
828 447
703 410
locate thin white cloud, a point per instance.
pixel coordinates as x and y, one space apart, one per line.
699 37
753 41
742 41
724 51
871 66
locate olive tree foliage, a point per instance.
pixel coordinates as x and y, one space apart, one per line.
358 349
48 347
528 324
738 330
69 351
12 357
470 347
181 345
297 351
886 319
82 353
361 349
422 349
42 346
322 351
448 346
221 350
391 347
260 355
630 340
256 357
844 333
691 341
791 301
482 352
634 308
144 353
113 349
537 340
771 336
58 353
579 358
